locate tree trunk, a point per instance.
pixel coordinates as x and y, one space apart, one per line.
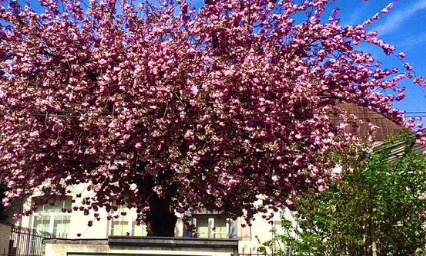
160 220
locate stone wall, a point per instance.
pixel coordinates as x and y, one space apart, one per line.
156 246
5 231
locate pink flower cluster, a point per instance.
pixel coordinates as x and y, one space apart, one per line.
208 107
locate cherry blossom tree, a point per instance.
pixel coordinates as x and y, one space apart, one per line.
168 108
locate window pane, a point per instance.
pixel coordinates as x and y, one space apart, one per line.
120 227
139 230
221 230
42 223
47 208
56 208
126 224
61 226
67 204
202 227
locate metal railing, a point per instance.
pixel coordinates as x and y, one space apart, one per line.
26 242
256 252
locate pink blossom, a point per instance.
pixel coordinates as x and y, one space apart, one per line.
217 106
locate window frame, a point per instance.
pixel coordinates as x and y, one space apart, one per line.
211 229
54 216
131 217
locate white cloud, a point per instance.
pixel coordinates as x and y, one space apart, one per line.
397 18
353 19
357 12
412 41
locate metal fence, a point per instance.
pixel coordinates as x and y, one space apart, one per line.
257 252
26 242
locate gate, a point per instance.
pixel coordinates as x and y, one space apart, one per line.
26 242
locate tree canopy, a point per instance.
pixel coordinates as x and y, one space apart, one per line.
204 107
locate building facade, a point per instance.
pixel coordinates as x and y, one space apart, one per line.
66 224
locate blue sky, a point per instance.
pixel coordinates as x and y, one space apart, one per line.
405 28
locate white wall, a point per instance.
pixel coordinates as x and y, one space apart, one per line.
250 238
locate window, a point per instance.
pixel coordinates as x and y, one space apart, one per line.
221 228
54 219
126 225
210 226
202 226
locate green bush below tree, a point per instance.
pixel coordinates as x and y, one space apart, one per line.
381 205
